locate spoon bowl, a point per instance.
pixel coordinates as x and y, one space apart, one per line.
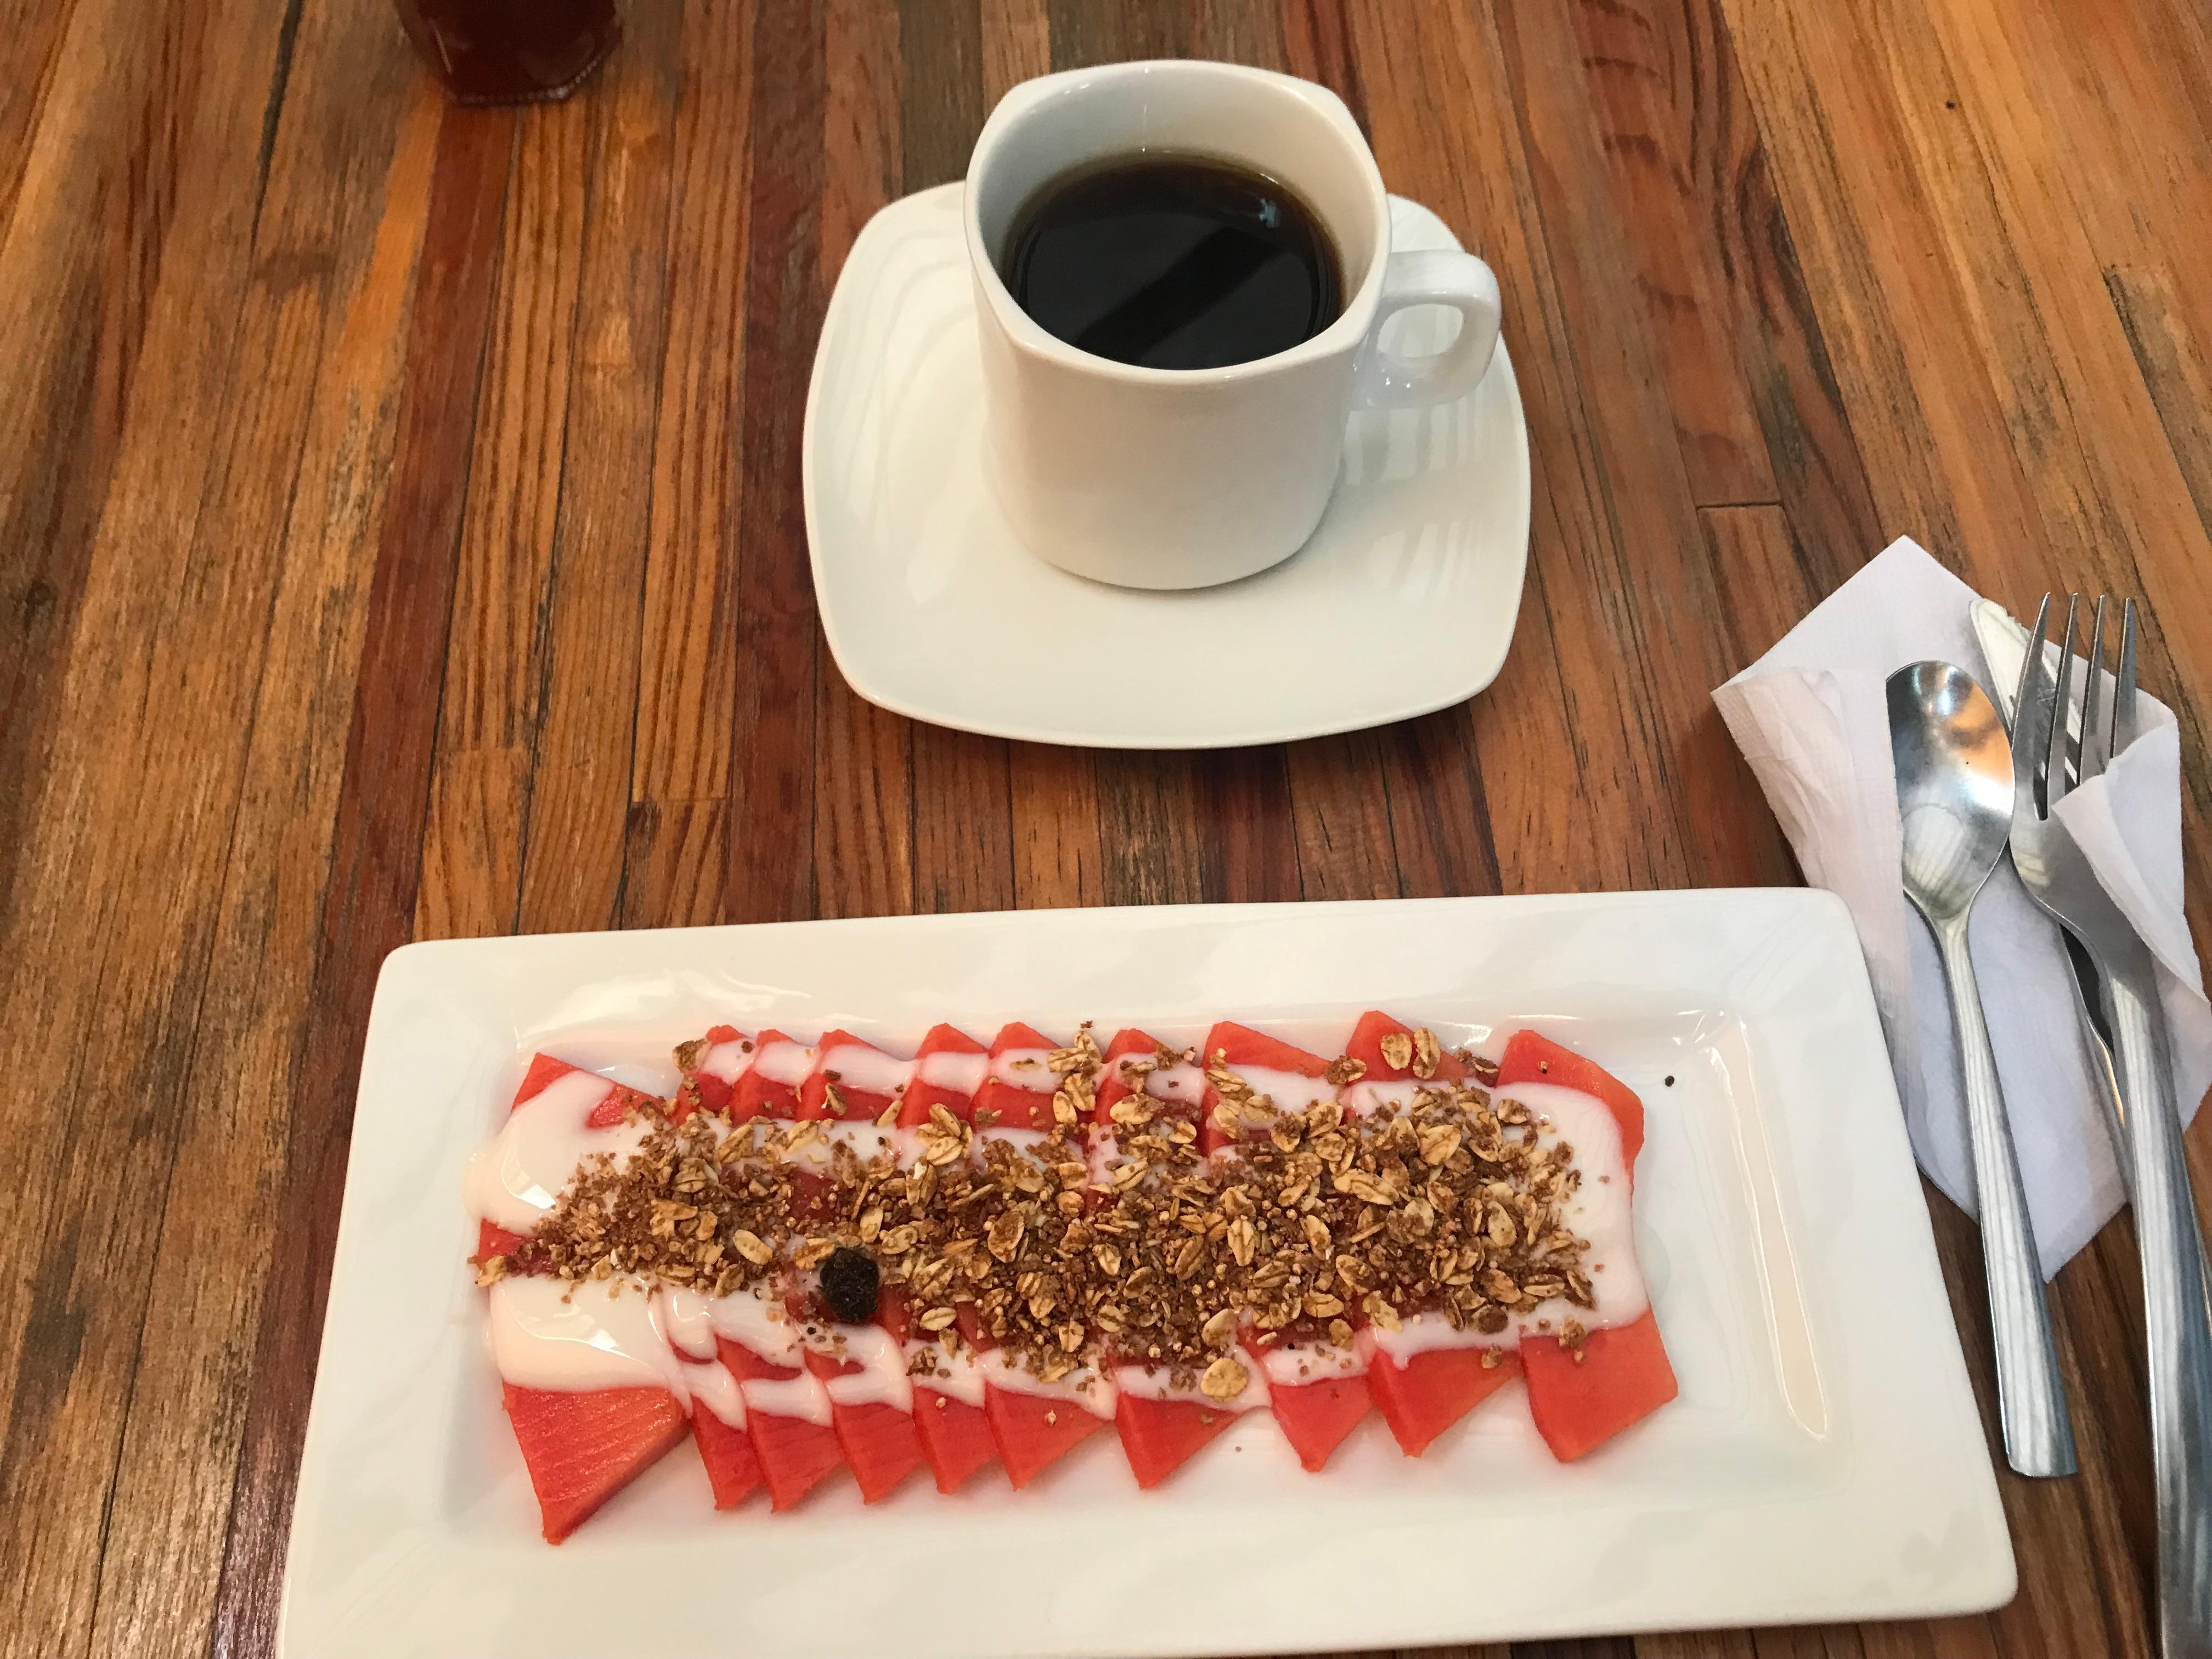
1954 784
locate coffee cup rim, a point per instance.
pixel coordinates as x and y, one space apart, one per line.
1345 334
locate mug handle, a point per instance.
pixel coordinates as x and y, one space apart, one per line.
1431 276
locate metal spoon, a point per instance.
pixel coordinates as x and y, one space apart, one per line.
1954 795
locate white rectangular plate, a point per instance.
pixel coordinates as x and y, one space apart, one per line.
1824 1460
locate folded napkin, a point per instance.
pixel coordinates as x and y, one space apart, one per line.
1812 718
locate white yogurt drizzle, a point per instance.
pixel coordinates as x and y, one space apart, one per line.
1360 1099
755 1320
1105 1155
729 1061
688 1317
882 1378
1026 1140
1081 1387
1288 1091
1419 1333
1601 1210
514 1178
802 1396
1184 1083
786 1062
962 1378
714 1387
1294 1365
1025 1068
601 1333
867 1141
869 1071
758 1322
957 1073
1157 1382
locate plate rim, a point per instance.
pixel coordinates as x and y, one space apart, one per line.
859 675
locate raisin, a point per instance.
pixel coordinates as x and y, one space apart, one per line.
850 1284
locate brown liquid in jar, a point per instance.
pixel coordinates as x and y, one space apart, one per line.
511 51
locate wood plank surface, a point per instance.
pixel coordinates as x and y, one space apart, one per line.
402 536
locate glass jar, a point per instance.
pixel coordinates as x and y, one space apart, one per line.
511 51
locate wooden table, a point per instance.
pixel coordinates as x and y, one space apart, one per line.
400 536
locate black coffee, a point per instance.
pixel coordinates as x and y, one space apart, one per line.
1173 262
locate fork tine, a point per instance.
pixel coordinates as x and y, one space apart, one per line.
2031 716
2124 691
2055 782
2092 747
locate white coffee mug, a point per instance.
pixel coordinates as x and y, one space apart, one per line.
1154 477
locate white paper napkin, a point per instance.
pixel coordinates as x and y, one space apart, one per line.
1811 718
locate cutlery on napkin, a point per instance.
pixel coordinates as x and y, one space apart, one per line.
1811 718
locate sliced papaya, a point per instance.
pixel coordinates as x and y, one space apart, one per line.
956 1437
1159 1437
1034 1432
1240 1047
732 1471
1581 1397
855 1104
1005 1105
1429 1392
1366 1047
796 1454
1316 1418
757 1095
1530 1058
583 1448
927 1091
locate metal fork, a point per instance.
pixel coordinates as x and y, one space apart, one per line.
2049 754
2004 643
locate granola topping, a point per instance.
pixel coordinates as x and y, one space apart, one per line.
1061 1258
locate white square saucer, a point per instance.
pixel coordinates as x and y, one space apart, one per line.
1402 602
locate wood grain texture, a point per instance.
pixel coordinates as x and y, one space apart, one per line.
402 536
678 861
374 861
772 734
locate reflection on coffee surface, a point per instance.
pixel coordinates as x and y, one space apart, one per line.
1173 262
